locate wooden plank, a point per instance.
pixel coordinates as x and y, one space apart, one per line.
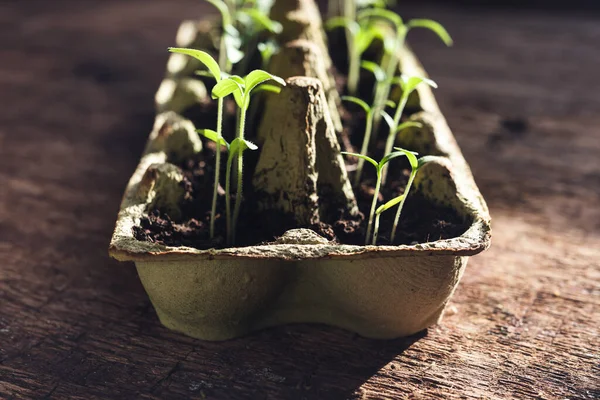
520 92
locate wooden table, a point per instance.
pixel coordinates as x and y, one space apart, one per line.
520 90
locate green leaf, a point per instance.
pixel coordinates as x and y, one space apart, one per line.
265 87
232 48
386 36
363 40
388 120
427 159
203 57
366 158
343 22
214 136
375 69
412 157
259 76
389 158
239 145
226 87
390 204
434 26
224 10
207 74
259 19
410 83
238 95
239 80
408 124
391 104
267 50
378 13
358 102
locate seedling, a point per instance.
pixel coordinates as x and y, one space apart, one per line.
215 71
237 147
256 20
379 167
241 88
359 39
253 19
390 64
408 85
415 164
230 43
380 211
267 50
368 130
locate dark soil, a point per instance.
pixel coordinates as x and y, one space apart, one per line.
421 221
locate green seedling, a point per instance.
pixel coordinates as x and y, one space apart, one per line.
393 133
237 147
230 43
215 71
408 84
379 167
255 20
267 50
359 39
390 62
370 111
242 88
381 210
415 164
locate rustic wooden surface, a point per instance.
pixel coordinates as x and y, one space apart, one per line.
520 91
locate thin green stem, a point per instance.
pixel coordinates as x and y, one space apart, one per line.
213 212
240 169
353 71
228 200
400 109
365 148
389 144
373 207
383 91
401 205
392 61
353 58
223 61
376 230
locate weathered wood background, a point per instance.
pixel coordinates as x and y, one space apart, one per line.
520 90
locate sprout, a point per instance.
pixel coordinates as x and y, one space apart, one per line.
256 20
267 51
253 17
241 88
215 71
394 130
366 138
408 84
390 62
415 165
359 40
379 167
237 147
229 50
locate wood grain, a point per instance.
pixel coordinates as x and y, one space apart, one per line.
520 91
